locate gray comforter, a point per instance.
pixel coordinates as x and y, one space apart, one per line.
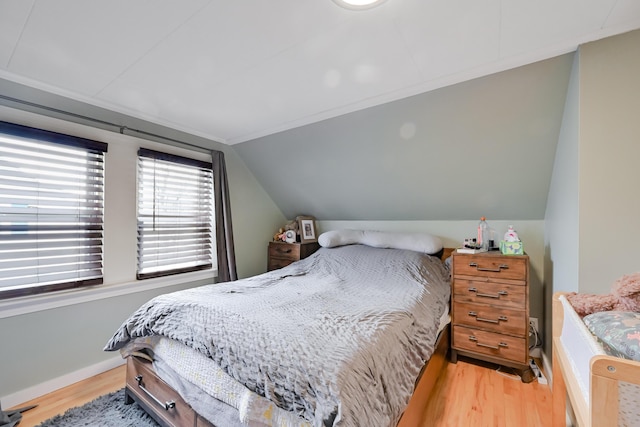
339 338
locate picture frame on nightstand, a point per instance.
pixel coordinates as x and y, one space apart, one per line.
307 229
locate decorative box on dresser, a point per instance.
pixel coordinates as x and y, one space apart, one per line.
282 254
490 316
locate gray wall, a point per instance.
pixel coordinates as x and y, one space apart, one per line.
609 153
563 207
44 345
483 147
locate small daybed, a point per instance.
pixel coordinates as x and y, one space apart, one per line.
602 390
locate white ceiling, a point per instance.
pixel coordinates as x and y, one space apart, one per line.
237 70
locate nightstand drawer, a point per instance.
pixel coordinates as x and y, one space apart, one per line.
284 251
500 294
501 320
499 267
275 263
282 254
490 344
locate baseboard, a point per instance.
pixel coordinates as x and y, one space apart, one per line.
57 383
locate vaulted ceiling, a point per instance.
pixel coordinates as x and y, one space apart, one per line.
233 71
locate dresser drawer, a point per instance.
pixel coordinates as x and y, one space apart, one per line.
490 344
176 412
488 266
284 251
501 320
499 294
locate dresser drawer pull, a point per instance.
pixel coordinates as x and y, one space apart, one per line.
493 347
483 295
167 405
285 251
492 270
482 319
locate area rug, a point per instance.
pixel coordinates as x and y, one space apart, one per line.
106 411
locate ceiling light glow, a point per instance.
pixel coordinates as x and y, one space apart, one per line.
358 4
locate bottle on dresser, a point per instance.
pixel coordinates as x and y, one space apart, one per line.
483 234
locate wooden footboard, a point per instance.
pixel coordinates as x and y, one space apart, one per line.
606 374
414 415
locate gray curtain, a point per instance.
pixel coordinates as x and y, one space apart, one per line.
224 230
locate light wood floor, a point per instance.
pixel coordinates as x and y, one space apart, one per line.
71 396
467 394
471 394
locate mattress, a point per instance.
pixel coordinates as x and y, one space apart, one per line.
582 345
203 404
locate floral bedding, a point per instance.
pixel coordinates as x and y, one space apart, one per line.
618 331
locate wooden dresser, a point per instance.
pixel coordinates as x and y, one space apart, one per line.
282 254
490 309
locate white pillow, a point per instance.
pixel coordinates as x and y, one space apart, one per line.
419 242
331 239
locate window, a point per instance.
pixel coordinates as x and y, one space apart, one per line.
51 211
175 204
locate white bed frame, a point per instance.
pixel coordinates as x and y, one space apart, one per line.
581 362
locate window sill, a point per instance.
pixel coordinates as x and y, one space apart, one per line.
34 303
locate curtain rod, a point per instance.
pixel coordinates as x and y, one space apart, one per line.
102 122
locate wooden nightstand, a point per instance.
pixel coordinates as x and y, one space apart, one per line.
282 254
490 309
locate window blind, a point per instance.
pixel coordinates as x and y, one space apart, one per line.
51 211
175 204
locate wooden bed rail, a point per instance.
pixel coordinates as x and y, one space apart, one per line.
414 413
446 253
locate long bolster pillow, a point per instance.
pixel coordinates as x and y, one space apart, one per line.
419 242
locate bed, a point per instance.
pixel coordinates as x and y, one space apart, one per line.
352 335
602 390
